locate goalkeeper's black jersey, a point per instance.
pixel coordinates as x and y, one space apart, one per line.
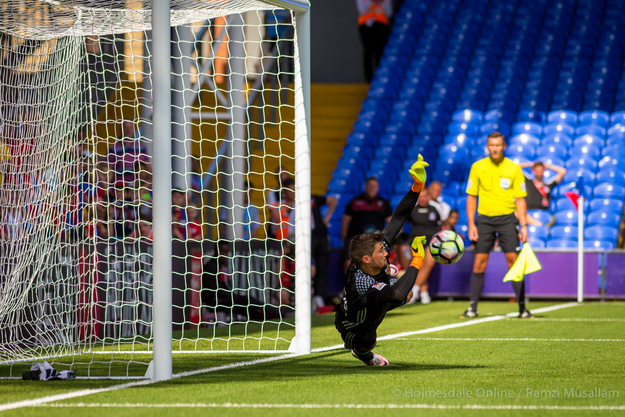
366 301
368 298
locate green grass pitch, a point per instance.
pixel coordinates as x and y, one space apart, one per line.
567 362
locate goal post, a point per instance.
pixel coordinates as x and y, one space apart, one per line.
146 151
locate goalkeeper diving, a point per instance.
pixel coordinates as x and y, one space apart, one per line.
370 292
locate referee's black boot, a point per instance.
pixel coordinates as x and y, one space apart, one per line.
469 314
525 314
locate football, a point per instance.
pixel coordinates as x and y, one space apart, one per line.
446 247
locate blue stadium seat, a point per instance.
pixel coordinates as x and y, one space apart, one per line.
598 117
598 244
607 204
561 244
468 116
563 128
563 232
606 190
462 140
362 139
585 151
497 126
617 117
563 203
531 116
603 218
542 216
536 243
608 162
573 175
520 149
554 150
462 127
601 232
562 116
538 232
525 139
615 150
591 130
452 189
616 132
530 128
463 230
566 217
590 140
558 138
611 176
580 161
550 160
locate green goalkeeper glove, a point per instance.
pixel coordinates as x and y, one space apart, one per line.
417 171
417 251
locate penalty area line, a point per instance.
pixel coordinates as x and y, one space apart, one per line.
82 393
335 406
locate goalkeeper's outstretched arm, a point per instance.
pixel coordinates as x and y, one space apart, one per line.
405 207
398 293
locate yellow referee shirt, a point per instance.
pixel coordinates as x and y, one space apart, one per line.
497 185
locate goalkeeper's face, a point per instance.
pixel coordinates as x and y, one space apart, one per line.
379 258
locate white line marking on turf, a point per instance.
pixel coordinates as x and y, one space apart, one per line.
365 406
573 319
529 339
59 397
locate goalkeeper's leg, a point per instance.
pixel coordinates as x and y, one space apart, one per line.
362 345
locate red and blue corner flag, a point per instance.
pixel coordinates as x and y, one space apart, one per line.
576 193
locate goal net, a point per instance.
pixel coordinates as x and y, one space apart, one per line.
76 189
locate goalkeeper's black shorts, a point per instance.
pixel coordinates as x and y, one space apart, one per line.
366 340
506 228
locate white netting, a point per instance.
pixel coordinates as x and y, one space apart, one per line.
48 19
75 191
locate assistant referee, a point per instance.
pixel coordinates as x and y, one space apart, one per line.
500 185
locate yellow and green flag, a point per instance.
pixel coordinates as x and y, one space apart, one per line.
526 263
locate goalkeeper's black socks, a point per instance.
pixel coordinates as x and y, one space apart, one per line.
519 291
363 354
477 283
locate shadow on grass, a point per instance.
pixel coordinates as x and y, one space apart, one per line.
333 363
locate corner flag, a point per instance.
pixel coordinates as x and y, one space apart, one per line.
526 263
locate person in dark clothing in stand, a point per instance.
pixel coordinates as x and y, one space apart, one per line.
365 213
539 191
370 292
320 245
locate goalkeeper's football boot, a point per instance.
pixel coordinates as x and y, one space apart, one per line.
377 360
469 314
525 314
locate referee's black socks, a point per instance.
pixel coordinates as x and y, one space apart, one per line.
519 291
477 283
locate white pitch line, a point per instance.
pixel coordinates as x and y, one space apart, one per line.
456 325
59 397
574 319
521 339
337 406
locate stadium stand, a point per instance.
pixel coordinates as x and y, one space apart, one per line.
546 73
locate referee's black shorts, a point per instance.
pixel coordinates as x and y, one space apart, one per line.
506 228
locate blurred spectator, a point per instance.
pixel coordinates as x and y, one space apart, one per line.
274 195
127 152
373 24
320 244
539 192
195 181
287 275
451 221
251 218
282 214
365 213
194 224
400 254
177 227
425 221
435 190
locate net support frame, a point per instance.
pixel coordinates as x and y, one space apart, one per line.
162 184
